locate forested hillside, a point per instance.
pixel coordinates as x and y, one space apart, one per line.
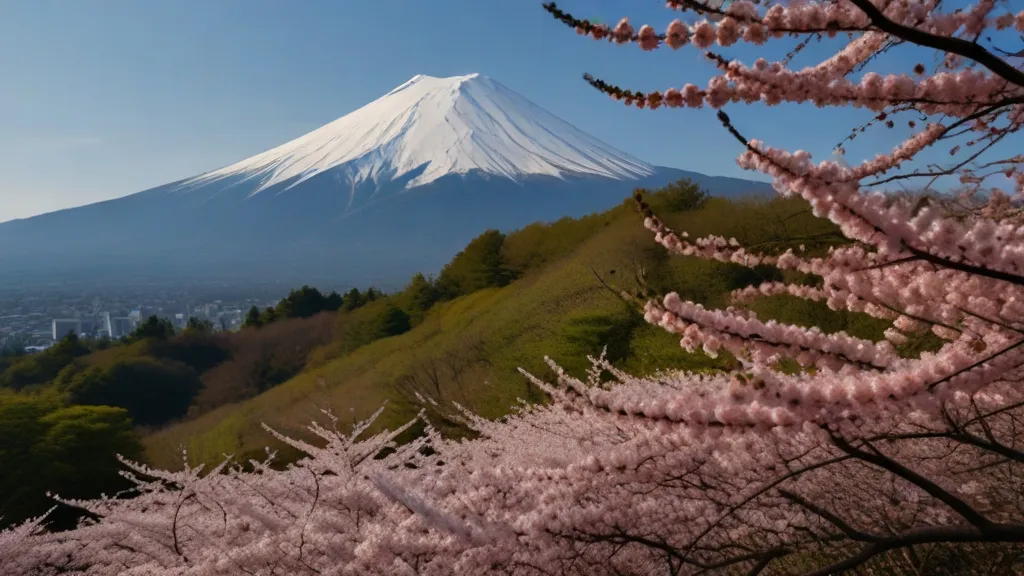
503 303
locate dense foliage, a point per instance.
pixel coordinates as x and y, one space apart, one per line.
153 392
152 327
480 265
47 446
41 368
257 360
305 302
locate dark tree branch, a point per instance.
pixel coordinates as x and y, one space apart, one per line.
934 490
174 525
995 533
958 46
836 521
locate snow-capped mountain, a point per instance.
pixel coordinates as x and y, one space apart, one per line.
396 186
439 126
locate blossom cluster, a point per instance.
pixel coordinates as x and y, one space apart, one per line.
583 485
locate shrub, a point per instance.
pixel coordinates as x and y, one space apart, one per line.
40 368
47 447
261 359
153 392
480 265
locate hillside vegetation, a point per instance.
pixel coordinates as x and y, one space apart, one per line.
517 299
504 303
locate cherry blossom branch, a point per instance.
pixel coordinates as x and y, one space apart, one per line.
878 459
1016 279
174 524
847 530
946 44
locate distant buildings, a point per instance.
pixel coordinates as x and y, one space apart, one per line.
95 324
28 316
121 327
63 327
116 327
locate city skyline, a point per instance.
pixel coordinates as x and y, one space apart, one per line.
31 321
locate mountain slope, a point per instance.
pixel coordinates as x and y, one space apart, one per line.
468 350
394 187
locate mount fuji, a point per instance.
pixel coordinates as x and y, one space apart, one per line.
395 187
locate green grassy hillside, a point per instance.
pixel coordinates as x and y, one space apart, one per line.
467 350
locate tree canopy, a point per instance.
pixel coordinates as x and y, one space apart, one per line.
306 302
479 265
36 369
421 293
70 451
199 325
252 318
152 327
153 391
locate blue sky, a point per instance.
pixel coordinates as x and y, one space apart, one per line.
103 98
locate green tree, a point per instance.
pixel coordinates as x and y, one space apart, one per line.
31 370
80 449
269 316
153 327
480 265
353 299
302 303
372 322
682 195
392 322
69 346
199 325
334 302
153 392
252 318
421 294
70 451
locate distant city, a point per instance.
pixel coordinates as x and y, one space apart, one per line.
33 321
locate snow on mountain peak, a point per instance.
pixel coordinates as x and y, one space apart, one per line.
440 126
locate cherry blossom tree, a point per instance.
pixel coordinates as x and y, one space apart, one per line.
866 459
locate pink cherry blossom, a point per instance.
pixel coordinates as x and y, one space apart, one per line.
870 449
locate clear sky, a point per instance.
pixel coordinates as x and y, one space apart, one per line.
103 98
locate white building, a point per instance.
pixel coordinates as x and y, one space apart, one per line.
63 327
122 327
117 327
